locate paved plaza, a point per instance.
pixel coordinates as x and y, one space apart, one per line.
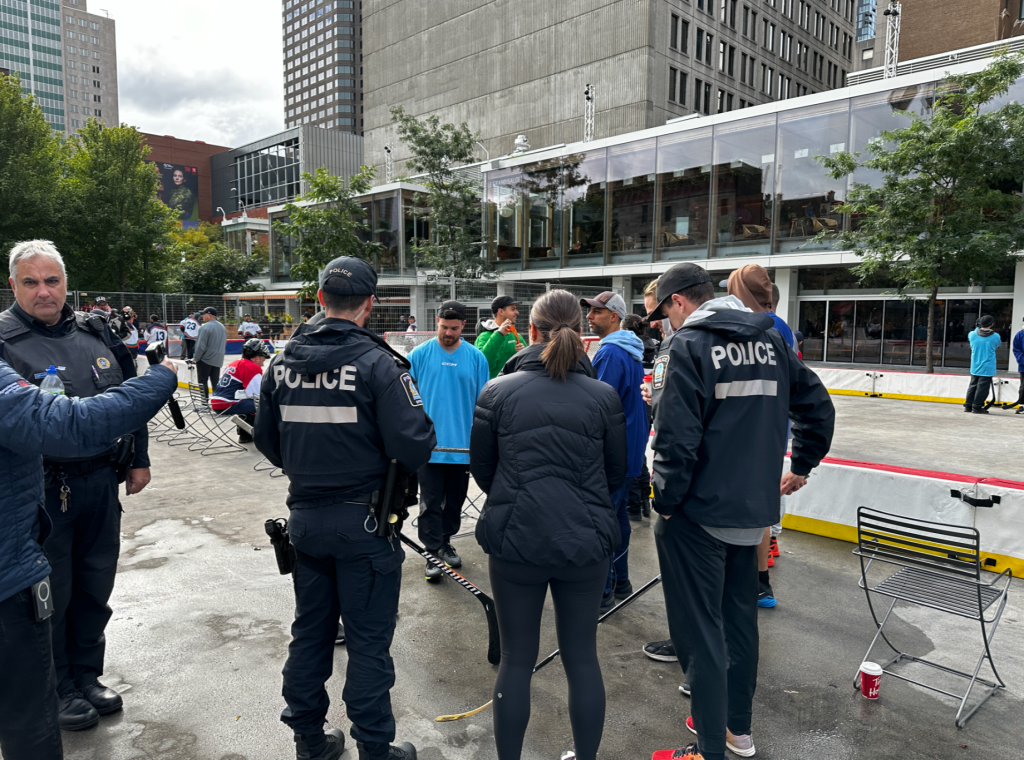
201 628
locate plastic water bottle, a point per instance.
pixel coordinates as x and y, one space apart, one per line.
52 383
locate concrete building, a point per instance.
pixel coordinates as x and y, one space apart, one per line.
521 68
323 83
65 56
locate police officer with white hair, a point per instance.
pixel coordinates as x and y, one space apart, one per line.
336 408
39 331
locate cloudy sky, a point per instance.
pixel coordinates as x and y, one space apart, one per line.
199 69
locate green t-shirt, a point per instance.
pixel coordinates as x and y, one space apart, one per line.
497 348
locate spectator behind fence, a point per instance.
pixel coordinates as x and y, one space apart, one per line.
555 528
716 415
249 329
211 346
239 387
984 342
34 424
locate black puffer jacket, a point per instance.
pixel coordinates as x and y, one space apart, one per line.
548 454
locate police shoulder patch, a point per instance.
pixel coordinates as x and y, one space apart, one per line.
103 362
411 390
660 371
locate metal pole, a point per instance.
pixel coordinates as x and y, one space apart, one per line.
892 38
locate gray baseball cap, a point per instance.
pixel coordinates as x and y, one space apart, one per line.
607 300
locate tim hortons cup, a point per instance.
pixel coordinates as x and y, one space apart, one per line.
870 678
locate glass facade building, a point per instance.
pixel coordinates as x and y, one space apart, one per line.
31 42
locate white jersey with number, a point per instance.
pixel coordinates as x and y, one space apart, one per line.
249 328
155 332
189 328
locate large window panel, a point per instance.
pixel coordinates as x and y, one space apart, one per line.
921 332
631 182
961 318
542 189
416 225
385 232
808 197
812 325
1002 310
841 319
584 189
684 195
505 211
744 186
897 332
867 340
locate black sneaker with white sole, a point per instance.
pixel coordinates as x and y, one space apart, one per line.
684 688
403 751
662 651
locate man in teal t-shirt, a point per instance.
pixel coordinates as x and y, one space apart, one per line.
984 342
450 374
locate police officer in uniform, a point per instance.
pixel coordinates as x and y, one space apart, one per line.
81 494
337 406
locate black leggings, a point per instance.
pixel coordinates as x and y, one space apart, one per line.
519 593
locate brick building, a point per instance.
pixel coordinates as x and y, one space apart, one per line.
191 154
931 27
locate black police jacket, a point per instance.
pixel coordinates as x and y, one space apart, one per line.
336 406
724 387
94 360
548 453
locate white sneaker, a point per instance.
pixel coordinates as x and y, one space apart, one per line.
568 755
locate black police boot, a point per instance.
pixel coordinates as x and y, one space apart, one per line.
634 514
645 506
326 746
106 701
340 638
433 572
75 713
403 751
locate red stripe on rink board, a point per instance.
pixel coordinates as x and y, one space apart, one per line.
934 474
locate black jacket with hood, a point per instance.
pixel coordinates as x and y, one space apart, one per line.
337 405
548 453
724 386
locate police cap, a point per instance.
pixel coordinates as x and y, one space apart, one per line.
675 280
349 276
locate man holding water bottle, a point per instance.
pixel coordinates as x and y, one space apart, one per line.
38 331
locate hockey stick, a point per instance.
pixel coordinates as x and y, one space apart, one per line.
628 600
494 643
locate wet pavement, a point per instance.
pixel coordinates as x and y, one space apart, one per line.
201 628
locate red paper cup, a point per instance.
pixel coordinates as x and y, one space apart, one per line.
649 382
870 678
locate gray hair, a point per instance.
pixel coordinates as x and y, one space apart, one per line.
29 249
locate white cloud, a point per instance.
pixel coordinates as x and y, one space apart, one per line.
199 69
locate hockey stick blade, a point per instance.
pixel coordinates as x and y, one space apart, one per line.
493 640
628 600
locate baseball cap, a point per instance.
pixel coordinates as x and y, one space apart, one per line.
607 300
349 276
452 310
99 299
501 302
210 310
678 278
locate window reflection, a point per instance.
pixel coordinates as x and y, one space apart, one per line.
808 197
812 325
921 333
1002 311
896 332
416 221
868 332
505 211
684 187
385 232
542 190
840 331
631 175
961 318
584 194
744 186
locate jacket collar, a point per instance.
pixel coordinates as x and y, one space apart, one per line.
64 325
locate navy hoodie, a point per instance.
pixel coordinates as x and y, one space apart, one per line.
619 362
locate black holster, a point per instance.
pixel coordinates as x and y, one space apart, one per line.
390 503
122 457
283 549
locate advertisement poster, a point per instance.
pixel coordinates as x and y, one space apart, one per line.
179 189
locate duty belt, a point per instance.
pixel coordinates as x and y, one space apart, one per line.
78 468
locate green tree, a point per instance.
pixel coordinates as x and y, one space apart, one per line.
945 212
207 266
329 227
29 168
454 247
116 231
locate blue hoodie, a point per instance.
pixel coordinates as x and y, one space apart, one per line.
619 362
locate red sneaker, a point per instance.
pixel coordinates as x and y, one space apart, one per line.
686 753
775 548
771 561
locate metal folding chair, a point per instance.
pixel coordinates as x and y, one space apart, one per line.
264 465
212 429
940 568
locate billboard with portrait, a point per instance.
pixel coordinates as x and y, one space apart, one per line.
179 189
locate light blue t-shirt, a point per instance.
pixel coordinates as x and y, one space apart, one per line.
983 353
450 385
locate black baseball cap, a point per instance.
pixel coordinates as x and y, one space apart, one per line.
349 276
501 302
678 278
210 310
452 310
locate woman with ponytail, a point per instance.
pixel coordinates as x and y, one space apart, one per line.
548 447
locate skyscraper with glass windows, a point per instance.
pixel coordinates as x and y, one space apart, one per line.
65 56
866 19
322 57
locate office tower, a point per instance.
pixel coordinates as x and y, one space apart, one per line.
322 64
90 65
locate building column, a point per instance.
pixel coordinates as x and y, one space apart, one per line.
786 279
1018 309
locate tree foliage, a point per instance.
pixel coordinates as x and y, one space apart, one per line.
454 247
333 224
115 228
946 211
206 265
29 168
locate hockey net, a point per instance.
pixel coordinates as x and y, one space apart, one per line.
404 342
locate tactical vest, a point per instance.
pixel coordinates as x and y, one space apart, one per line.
89 365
